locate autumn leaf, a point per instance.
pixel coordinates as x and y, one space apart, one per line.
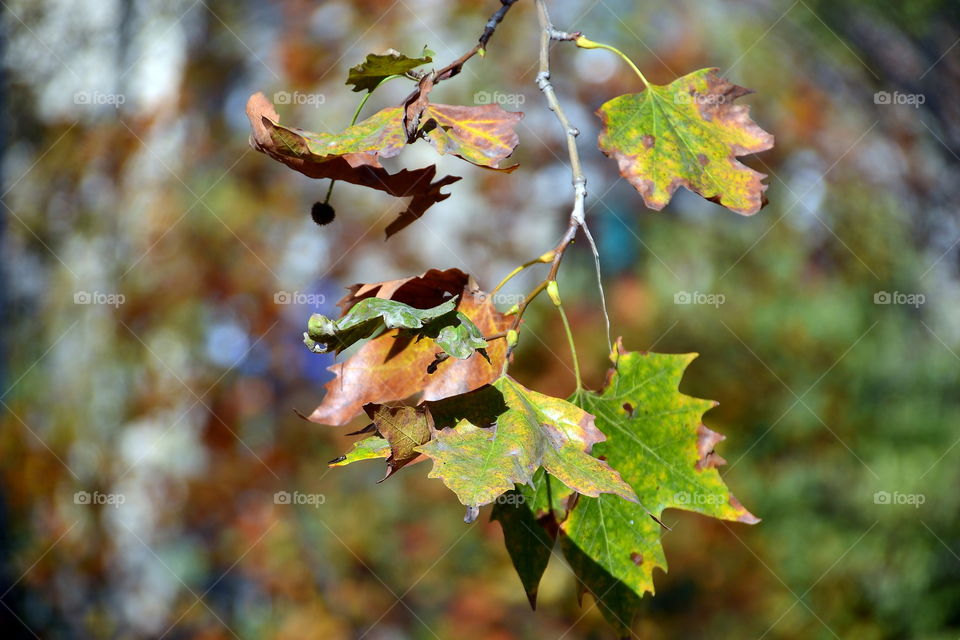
658 443
392 367
483 135
359 163
481 459
404 428
424 291
370 448
688 133
376 68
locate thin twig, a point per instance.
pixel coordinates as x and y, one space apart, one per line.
579 180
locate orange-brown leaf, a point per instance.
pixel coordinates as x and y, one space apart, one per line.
389 369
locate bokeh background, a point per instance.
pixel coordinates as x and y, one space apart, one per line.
149 374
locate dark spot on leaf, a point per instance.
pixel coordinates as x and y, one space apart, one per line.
637 558
322 213
703 160
648 141
628 408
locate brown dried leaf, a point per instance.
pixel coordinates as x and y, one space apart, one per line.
389 369
358 164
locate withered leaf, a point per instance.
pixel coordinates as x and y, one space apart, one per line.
359 163
405 428
483 135
390 368
424 291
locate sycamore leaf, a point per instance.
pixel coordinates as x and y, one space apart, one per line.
656 440
370 448
529 516
528 543
479 462
367 75
393 367
688 133
405 428
483 135
424 291
358 163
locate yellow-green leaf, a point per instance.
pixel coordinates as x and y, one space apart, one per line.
483 135
484 455
371 448
687 133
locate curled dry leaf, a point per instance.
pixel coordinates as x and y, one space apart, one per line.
391 367
688 133
351 157
424 291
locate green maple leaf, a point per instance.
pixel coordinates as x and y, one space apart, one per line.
688 133
453 331
658 443
481 457
377 67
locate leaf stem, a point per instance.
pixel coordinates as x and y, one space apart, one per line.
545 258
356 116
578 179
586 43
554 292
